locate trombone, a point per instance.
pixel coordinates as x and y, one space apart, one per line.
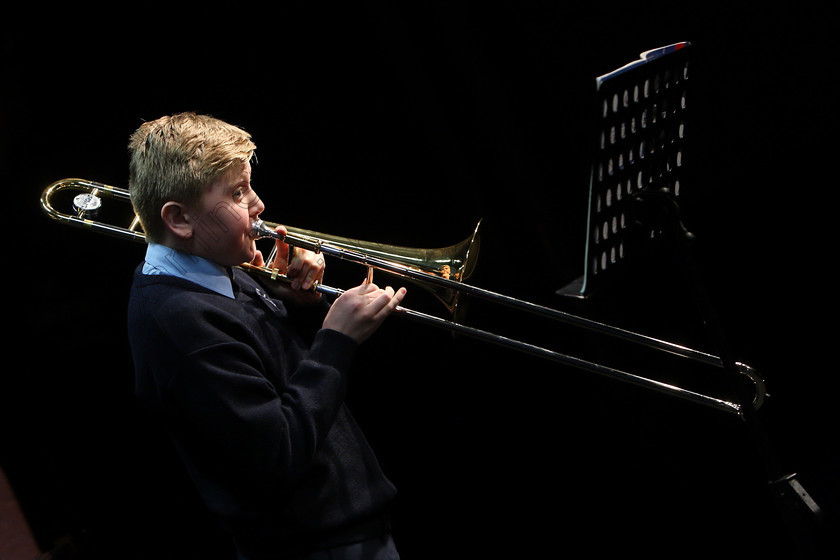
442 271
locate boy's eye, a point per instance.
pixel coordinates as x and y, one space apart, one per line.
244 195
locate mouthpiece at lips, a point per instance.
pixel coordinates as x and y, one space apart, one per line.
260 230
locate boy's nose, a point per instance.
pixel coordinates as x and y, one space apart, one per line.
256 207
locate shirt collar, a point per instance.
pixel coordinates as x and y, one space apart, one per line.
161 259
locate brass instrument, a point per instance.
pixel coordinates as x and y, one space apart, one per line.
442 271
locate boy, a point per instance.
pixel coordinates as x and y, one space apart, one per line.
249 385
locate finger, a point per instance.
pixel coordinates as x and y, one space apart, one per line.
302 282
294 263
364 288
258 259
301 261
386 302
313 276
396 300
389 304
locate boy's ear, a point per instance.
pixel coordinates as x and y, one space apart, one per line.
177 221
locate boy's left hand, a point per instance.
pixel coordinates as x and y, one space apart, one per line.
304 270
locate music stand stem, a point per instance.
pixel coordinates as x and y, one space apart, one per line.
798 510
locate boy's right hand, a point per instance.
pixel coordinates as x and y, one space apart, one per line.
359 311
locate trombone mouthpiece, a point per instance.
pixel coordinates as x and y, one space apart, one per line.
260 230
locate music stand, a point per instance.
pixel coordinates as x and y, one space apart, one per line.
639 147
635 186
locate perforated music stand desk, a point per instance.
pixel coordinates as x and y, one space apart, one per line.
639 144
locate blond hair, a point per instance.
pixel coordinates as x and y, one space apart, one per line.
174 158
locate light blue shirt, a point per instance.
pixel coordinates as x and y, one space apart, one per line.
161 259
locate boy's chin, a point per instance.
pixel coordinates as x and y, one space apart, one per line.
252 252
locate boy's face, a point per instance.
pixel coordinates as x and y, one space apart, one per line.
222 226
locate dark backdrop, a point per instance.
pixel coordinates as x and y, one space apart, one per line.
407 124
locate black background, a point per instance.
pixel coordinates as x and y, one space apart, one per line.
406 125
